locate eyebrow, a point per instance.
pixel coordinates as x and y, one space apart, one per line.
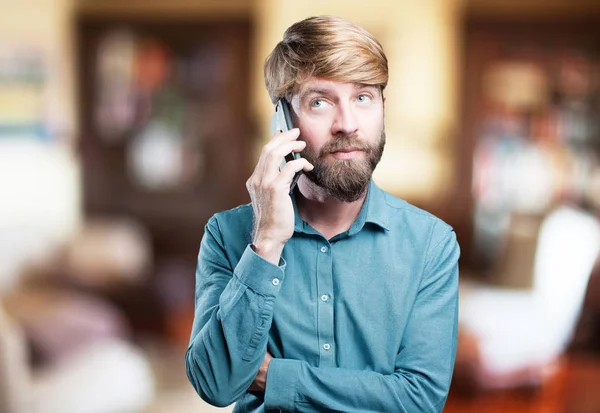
364 86
315 91
326 91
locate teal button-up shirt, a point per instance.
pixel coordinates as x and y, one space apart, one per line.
363 322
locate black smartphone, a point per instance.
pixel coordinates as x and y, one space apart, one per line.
281 121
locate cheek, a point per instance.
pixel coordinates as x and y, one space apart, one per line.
376 118
314 133
381 125
374 125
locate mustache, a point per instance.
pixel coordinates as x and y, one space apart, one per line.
344 142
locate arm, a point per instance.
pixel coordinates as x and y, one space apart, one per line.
234 306
232 320
424 363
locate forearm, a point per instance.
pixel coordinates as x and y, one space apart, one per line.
293 385
233 316
225 353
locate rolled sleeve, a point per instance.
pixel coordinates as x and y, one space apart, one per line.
259 274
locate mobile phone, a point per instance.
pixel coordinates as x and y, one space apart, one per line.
281 121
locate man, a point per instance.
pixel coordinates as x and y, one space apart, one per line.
340 297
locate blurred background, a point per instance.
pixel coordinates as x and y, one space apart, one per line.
125 124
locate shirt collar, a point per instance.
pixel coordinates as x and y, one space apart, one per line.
299 224
373 211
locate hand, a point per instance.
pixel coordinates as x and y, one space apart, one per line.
269 190
260 381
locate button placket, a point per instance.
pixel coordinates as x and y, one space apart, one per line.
325 307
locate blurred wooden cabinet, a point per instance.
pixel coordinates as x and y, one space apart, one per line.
165 131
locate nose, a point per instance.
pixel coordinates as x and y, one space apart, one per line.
345 121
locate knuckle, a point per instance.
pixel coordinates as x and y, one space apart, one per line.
272 155
266 149
268 186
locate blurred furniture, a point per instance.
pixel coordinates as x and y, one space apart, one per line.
110 258
14 371
515 267
518 334
104 376
586 338
573 389
166 137
64 350
582 381
63 346
530 100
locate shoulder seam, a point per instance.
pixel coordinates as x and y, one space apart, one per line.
406 206
432 250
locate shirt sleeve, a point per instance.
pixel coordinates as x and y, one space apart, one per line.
424 363
233 315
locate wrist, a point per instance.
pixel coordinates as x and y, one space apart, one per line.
268 249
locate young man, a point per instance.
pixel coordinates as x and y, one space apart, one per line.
340 297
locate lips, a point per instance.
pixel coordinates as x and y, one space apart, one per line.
346 150
347 153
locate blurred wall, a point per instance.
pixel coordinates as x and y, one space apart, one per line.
39 174
46 25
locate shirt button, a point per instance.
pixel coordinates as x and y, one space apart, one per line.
326 346
323 249
324 297
275 281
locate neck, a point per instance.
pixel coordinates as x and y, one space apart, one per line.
326 214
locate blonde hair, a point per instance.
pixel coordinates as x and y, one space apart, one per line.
327 47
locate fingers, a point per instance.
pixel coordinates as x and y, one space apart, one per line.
284 179
281 137
274 158
276 141
267 169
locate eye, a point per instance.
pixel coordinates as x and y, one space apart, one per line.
363 98
317 103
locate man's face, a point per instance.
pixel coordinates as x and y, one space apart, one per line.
342 124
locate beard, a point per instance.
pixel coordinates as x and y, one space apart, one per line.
344 179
